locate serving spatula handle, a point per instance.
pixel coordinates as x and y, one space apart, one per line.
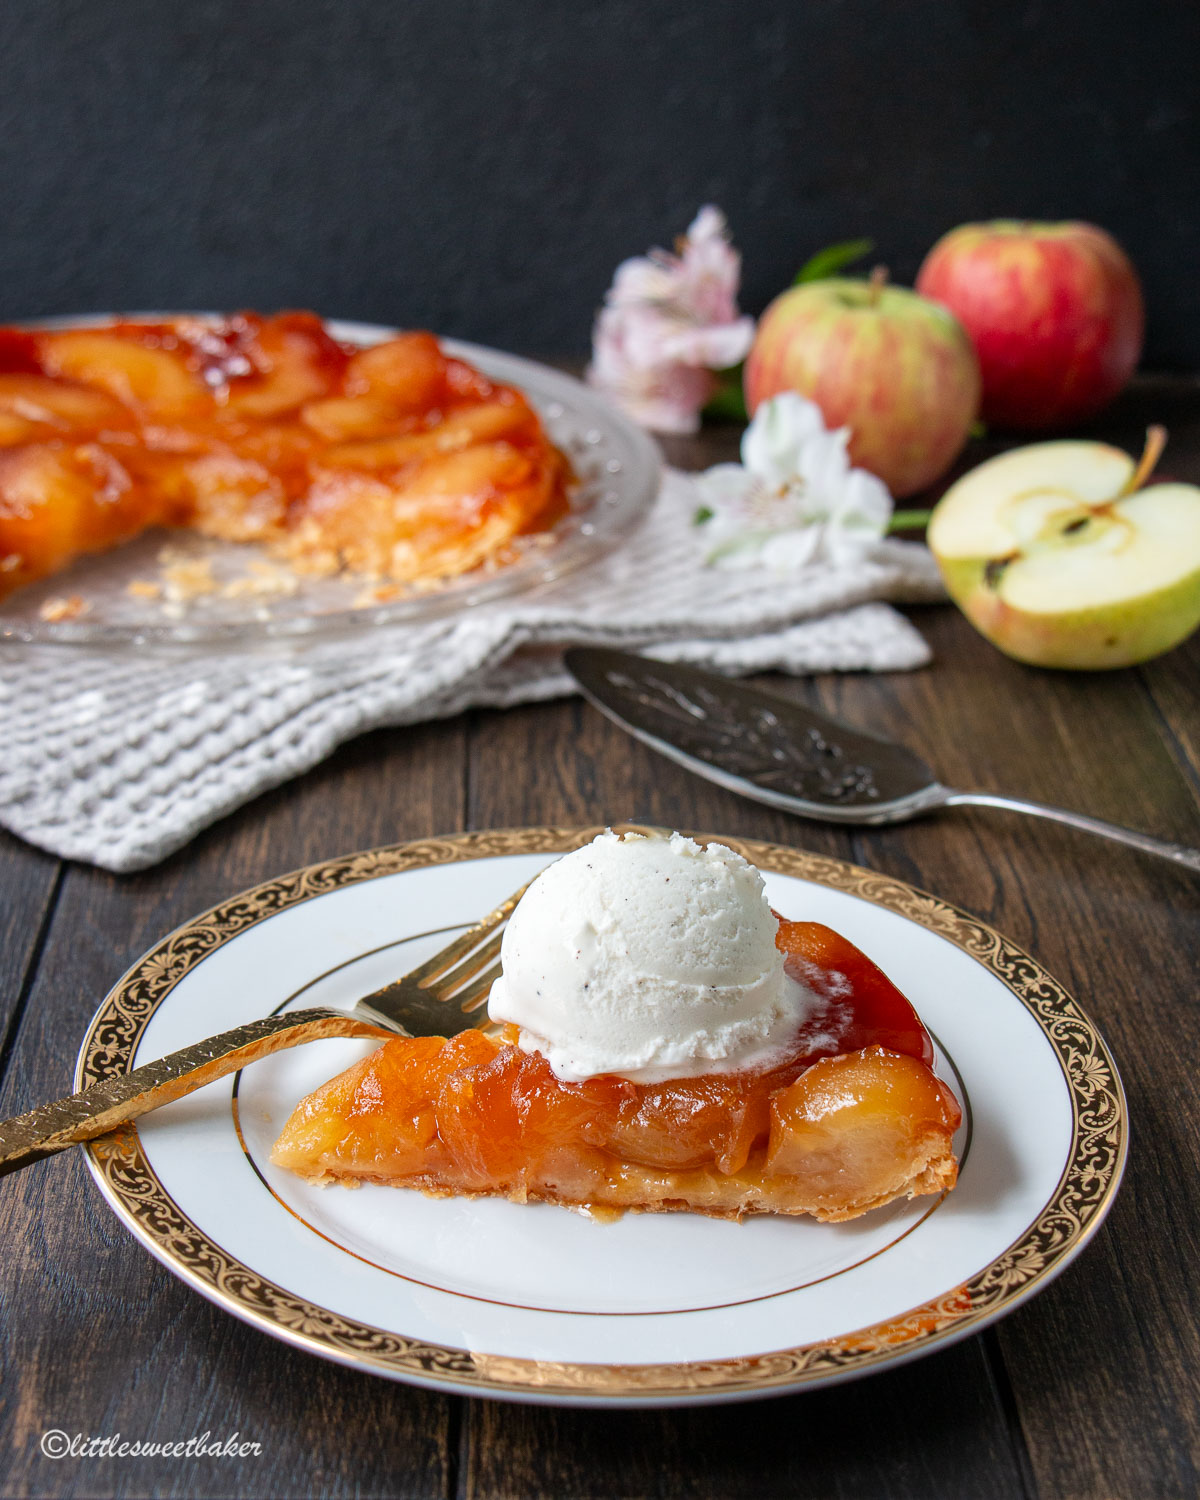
1178 854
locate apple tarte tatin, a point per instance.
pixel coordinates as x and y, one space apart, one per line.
851 1118
396 461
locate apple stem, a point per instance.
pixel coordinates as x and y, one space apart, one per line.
876 284
1156 441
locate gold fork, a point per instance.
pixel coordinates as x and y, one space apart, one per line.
418 1004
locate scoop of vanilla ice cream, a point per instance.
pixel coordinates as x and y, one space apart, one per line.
647 957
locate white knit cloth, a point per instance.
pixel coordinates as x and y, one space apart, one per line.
119 760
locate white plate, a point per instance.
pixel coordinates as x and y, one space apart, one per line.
534 1302
617 469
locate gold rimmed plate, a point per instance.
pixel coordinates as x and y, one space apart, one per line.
533 1302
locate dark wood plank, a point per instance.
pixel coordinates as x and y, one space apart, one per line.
1173 685
1105 1365
98 1336
928 1431
873 1439
28 886
564 763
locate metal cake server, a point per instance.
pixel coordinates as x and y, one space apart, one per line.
790 756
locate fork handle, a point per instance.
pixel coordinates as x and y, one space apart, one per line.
115 1101
1178 854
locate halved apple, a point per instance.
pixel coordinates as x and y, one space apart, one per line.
1056 554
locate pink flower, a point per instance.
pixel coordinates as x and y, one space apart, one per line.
668 321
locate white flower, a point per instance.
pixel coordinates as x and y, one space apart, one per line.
668 321
793 499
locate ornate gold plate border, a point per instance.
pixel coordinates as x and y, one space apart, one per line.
1084 1193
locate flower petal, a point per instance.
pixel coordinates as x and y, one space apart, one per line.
668 320
725 485
794 501
717 346
781 428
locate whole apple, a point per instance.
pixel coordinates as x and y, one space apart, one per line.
896 369
1054 310
1059 555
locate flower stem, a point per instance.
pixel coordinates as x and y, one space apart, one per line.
909 520
727 402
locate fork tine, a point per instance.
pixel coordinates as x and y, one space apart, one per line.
475 993
463 945
445 983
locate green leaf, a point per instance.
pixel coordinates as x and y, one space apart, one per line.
703 513
832 259
728 402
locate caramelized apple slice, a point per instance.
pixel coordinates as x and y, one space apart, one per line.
377 1118
345 419
855 1127
15 430
43 501
56 503
295 361
500 1121
465 383
60 407
148 379
460 508
509 419
408 371
690 1122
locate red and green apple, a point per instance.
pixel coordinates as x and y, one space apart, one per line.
1054 311
895 368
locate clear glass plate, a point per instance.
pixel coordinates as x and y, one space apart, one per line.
617 469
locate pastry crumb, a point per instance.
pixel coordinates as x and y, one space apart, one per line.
187 578
59 608
379 593
143 588
261 580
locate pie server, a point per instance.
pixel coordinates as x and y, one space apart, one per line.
786 755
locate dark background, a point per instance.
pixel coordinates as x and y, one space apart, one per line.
481 167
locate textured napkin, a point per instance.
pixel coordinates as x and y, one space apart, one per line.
119 760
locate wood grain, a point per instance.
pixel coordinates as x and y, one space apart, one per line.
97 1336
1090 1390
931 1430
1121 929
28 881
1173 686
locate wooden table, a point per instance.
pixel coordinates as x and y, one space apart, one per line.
1091 1389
